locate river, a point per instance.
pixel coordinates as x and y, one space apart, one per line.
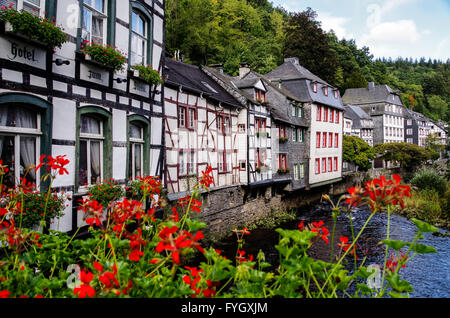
429 274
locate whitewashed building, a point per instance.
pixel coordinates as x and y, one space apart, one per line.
110 125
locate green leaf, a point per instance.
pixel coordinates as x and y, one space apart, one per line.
401 286
424 227
396 245
397 295
423 249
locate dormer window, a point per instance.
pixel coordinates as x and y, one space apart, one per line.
260 95
325 91
315 87
336 94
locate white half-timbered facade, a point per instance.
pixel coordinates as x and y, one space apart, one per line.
58 102
202 123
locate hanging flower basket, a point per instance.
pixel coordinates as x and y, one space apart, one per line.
29 26
147 74
106 56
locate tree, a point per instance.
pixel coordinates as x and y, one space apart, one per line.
356 80
359 152
434 146
306 40
407 155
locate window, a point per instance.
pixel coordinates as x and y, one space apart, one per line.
258 159
260 95
336 94
326 91
337 117
136 153
331 116
324 140
261 124
191 117
330 140
409 122
223 124
299 135
224 162
296 172
242 165
20 133
336 140
319 113
324 165
315 87
330 164
90 170
294 110
192 168
317 167
302 171
318 140
282 131
138 47
241 128
409 131
183 163
35 7
325 114
181 116
282 161
94 21
336 168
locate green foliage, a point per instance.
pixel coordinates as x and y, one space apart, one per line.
148 74
406 155
107 56
34 206
357 151
34 27
106 192
429 179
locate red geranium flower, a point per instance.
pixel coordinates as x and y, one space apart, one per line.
85 289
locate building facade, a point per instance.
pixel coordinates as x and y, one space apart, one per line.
362 123
324 105
384 107
203 128
59 102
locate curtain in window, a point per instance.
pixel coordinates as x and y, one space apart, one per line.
28 157
97 28
25 118
95 161
90 125
137 160
3 118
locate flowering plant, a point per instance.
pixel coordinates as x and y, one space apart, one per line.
130 253
107 56
148 74
34 27
106 192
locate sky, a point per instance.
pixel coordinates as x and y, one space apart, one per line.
390 28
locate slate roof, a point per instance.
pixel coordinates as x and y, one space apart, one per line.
192 78
298 81
357 114
379 94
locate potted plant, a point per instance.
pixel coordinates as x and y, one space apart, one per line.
107 56
106 192
283 140
284 170
147 74
35 28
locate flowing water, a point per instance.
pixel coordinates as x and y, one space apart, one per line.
429 274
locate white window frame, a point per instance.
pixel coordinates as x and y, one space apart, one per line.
104 16
133 143
17 133
296 172
92 138
192 162
19 4
142 37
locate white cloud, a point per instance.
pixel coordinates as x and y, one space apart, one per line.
337 24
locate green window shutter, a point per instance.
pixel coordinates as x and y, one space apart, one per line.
50 8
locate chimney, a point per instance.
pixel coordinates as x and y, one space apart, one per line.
371 86
244 69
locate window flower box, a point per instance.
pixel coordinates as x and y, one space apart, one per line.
38 30
106 56
283 140
284 171
262 134
147 74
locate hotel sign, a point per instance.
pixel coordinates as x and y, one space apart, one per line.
94 74
18 51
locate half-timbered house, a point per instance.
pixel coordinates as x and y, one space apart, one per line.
205 126
58 102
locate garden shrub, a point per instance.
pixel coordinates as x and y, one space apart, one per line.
429 179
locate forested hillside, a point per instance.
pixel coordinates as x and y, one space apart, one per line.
231 32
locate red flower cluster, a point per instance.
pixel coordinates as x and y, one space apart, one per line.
380 193
93 212
85 289
206 180
17 239
176 244
344 245
241 257
125 211
136 242
392 263
194 278
108 279
3 168
59 163
321 230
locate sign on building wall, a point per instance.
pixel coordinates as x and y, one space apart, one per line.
21 52
94 74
